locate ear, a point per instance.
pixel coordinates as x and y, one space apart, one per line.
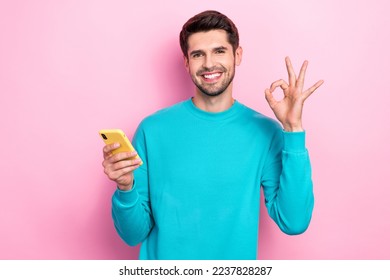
186 65
238 54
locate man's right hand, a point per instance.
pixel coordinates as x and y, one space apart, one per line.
119 167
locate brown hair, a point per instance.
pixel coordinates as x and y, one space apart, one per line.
206 21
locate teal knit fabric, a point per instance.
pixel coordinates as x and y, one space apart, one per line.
197 195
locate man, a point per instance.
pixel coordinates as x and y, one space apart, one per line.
197 194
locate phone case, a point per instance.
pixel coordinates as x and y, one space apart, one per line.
111 136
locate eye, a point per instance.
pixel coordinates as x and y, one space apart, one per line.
221 50
196 55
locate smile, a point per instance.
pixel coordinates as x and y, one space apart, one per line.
211 76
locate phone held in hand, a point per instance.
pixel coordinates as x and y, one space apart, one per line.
111 136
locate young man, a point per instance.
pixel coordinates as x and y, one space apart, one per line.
197 195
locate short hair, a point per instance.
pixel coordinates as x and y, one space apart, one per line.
206 21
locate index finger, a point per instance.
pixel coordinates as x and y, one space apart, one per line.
107 149
290 70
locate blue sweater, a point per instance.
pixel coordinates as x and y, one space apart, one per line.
197 195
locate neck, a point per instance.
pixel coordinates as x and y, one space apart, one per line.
213 104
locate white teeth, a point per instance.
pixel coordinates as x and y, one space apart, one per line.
212 76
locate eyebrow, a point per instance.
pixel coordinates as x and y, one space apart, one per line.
214 49
196 52
221 48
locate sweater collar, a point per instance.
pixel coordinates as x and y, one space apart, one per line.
212 115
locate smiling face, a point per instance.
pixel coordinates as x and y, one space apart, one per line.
211 62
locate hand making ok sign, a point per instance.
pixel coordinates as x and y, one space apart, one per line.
289 109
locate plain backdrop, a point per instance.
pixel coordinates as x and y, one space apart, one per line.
71 67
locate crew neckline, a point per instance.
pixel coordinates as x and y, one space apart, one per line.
231 111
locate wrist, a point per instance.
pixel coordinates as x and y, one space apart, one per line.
126 187
292 128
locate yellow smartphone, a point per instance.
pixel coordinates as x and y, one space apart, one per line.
111 136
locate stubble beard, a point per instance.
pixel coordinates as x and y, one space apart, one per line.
212 90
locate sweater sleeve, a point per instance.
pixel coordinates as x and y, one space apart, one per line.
287 183
131 210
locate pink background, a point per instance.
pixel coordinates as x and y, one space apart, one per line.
69 68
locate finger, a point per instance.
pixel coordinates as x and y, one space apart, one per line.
310 90
290 70
110 168
119 173
125 172
270 98
125 164
107 149
122 156
106 155
302 73
279 83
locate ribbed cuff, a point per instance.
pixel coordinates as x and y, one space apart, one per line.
129 197
294 141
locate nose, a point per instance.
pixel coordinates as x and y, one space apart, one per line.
208 61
